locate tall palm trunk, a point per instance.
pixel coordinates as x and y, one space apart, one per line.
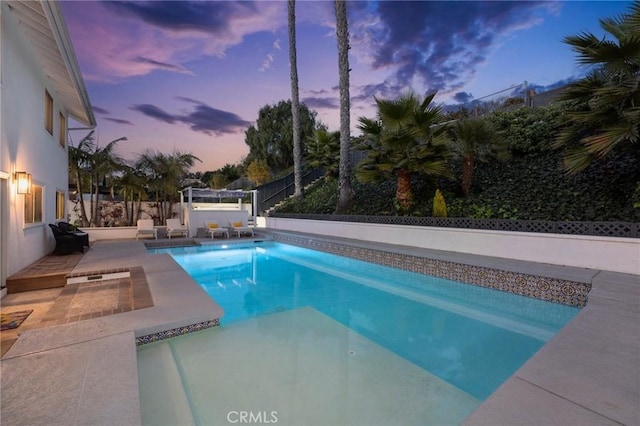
125 203
138 209
345 194
404 192
467 173
295 102
96 219
80 190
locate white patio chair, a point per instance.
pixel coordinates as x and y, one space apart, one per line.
214 228
145 228
240 227
174 227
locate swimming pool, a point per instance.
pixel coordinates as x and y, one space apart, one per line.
465 340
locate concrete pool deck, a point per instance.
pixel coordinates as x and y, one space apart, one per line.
86 373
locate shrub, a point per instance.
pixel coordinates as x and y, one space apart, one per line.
439 205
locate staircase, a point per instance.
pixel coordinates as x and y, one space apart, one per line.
279 190
305 189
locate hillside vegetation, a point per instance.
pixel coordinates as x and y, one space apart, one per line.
532 184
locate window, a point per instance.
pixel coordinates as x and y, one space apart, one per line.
60 213
48 112
33 205
62 136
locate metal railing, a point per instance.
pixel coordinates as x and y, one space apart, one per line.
278 190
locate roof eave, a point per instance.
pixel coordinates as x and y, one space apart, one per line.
65 48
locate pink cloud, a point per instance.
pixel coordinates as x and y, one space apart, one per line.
110 48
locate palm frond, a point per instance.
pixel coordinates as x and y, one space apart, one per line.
575 160
600 144
633 17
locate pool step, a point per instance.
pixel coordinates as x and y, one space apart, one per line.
157 370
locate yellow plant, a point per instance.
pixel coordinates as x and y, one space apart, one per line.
439 205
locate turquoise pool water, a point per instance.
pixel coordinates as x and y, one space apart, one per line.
470 337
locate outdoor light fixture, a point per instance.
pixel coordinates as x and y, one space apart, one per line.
23 182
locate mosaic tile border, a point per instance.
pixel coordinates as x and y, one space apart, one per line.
566 292
174 332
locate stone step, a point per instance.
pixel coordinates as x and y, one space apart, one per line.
47 272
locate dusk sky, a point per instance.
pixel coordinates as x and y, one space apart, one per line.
192 76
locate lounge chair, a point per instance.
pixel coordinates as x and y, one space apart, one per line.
66 243
213 229
71 229
241 227
174 227
145 228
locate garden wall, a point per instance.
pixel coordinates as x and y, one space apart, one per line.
595 252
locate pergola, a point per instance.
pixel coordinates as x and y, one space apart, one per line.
193 206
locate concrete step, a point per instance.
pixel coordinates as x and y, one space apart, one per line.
47 272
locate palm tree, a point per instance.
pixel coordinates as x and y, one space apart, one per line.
345 195
295 102
604 107
164 174
89 162
131 185
404 139
476 139
79 170
103 162
323 150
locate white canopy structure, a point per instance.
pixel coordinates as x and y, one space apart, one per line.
199 205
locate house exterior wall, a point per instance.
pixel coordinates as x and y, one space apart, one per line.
26 145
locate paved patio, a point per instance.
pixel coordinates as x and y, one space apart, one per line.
85 372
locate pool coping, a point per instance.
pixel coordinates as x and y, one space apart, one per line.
587 373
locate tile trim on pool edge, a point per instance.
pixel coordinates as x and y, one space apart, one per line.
566 292
174 332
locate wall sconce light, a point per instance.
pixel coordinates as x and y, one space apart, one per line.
23 183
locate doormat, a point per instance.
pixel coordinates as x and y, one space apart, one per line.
13 319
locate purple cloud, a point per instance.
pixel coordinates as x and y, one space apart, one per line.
100 110
210 120
163 65
201 16
463 97
322 91
155 112
321 103
119 121
117 40
436 44
203 118
538 88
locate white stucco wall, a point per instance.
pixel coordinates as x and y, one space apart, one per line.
26 145
111 233
602 253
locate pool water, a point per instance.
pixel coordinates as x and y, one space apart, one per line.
460 339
